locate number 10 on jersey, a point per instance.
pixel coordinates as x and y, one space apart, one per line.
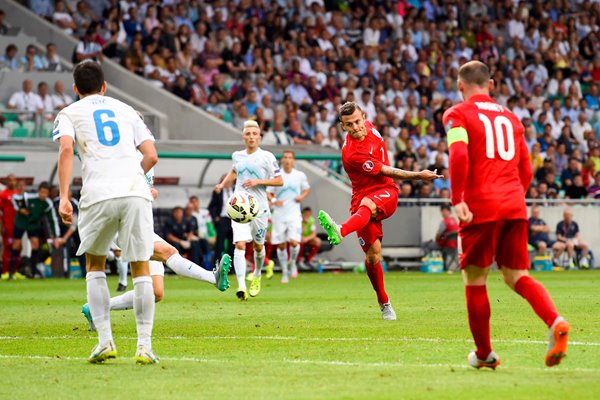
107 123
501 124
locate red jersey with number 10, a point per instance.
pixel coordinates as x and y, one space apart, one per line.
363 161
494 180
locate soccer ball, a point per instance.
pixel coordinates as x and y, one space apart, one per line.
242 207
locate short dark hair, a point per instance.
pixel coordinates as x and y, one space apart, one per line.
43 185
445 207
307 208
348 108
474 73
88 77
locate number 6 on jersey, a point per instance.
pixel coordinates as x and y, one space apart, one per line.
101 127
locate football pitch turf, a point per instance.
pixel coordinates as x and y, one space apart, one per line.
320 337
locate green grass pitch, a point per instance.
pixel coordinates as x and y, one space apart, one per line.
320 337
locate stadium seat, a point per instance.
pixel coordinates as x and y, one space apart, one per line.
47 128
20 132
12 125
31 128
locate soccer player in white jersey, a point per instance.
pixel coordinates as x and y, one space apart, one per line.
287 215
166 253
115 199
254 169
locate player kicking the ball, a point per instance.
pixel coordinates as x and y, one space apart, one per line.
254 169
374 194
114 200
490 172
287 216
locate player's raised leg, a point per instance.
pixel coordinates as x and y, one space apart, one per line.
357 221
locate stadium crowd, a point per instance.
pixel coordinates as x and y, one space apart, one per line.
290 64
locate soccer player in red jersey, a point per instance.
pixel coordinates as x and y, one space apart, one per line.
374 194
490 172
7 225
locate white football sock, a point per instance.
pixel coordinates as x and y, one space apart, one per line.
294 251
122 302
98 299
184 267
143 306
239 264
282 256
122 267
259 261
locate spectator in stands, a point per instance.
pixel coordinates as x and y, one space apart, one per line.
88 48
218 213
63 19
177 231
297 133
47 103
60 99
310 242
568 237
594 189
277 135
568 175
577 190
50 60
31 61
3 27
206 230
538 231
181 89
446 238
9 60
83 17
26 101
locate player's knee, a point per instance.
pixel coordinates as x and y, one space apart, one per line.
281 246
570 246
294 243
369 203
373 258
240 246
318 242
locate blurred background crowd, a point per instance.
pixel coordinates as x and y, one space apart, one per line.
290 64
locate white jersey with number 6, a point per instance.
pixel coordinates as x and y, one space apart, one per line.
107 133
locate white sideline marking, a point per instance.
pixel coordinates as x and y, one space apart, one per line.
302 339
336 363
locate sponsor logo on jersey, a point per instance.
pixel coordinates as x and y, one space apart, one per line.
368 166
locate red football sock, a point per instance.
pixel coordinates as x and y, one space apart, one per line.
268 251
539 299
375 273
478 308
313 252
300 253
356 221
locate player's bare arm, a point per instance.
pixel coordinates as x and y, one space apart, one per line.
229 178
65 170
250 183
150 155
397 173
300 198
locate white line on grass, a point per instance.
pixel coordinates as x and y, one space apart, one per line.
335 363
303 339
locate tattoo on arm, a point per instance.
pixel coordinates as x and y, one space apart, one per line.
397 173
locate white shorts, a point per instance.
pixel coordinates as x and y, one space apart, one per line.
129 217
157 268
157 238
255 230
286 230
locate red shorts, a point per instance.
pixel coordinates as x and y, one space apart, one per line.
502 241
386 201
